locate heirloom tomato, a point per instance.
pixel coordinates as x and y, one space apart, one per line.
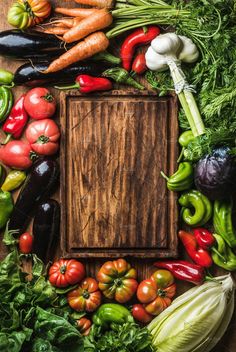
17 155
117 280
140 314
43 136
27 13
84 326
66 272
156 293
86 297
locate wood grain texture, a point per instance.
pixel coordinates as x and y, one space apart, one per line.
114 200
144 266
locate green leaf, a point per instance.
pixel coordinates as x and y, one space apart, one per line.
12 342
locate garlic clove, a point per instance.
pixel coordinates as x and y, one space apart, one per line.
189 52
154 61
166 44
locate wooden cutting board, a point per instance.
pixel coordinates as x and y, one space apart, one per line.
114 200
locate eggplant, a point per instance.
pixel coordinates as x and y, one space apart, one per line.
39 183
46 229
31 75
34 45
215 174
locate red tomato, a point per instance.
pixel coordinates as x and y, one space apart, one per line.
84 326
86 297
66 272
43 136
26 243
39 103
16 154
139 313
139 64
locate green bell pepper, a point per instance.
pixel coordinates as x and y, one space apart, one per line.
6 102
222 221
6 77
196 208
6 207
111 313
14 179
182 179
223 255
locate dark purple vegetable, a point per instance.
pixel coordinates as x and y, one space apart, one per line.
215 174
32 75
46 229
34 45
39 183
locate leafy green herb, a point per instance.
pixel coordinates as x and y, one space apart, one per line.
128 337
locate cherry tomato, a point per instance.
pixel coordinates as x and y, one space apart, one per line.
43 136
156 293
84 326
39 103
140 314
117 280
86 297
66 272
16 154
139 64
26 243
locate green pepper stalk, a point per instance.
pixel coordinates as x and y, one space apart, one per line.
167 51
120 75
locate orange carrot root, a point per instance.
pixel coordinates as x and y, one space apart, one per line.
90 46
102 4
56 30
76 12
97 21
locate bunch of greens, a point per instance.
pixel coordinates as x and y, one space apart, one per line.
211 25
128 337
30 315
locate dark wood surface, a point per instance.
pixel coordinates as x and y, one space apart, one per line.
144 267
114 200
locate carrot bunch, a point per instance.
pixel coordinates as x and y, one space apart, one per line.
83 25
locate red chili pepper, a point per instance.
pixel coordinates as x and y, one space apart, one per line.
139 64
138 37
87 84
16 121
204 238
184 270
199 255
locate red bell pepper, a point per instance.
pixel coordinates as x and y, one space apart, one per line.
138 37
184 270
204 238
88 84
16 121
199 255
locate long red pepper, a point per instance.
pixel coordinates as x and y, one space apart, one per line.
16 121
88 84
140 36
184 270
199 255
204 238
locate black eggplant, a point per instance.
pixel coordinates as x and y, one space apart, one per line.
46 229
32 75
39 183
34 45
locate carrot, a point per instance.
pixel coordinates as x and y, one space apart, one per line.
99 20
55 30
77 12
97 3
90 46
66 22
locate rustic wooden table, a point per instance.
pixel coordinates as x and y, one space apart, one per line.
228 343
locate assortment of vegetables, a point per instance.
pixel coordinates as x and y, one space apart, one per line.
60 303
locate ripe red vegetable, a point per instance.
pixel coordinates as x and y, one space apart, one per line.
39 103
26 243
136 38
140 314
43 136
84 326
139 64
17 154
66 272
